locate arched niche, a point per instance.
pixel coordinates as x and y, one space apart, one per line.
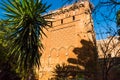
70 52
72 57
53 52
52 57
62 55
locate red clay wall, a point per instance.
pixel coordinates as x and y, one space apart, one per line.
65 34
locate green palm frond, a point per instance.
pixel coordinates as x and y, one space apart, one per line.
24 17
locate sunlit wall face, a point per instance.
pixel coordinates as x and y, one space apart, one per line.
72 29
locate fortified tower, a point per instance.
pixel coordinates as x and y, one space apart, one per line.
70 25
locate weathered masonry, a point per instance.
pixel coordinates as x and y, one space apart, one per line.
71 25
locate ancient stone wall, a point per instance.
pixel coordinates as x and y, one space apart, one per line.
70 25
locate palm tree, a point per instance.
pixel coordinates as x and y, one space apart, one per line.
26 20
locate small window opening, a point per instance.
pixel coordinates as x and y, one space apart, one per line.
73 18
61 21
51 24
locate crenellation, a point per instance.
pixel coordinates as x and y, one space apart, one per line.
67 9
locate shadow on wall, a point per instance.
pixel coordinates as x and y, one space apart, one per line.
86 58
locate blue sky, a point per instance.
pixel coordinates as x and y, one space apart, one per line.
55 5
1 12
99 24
